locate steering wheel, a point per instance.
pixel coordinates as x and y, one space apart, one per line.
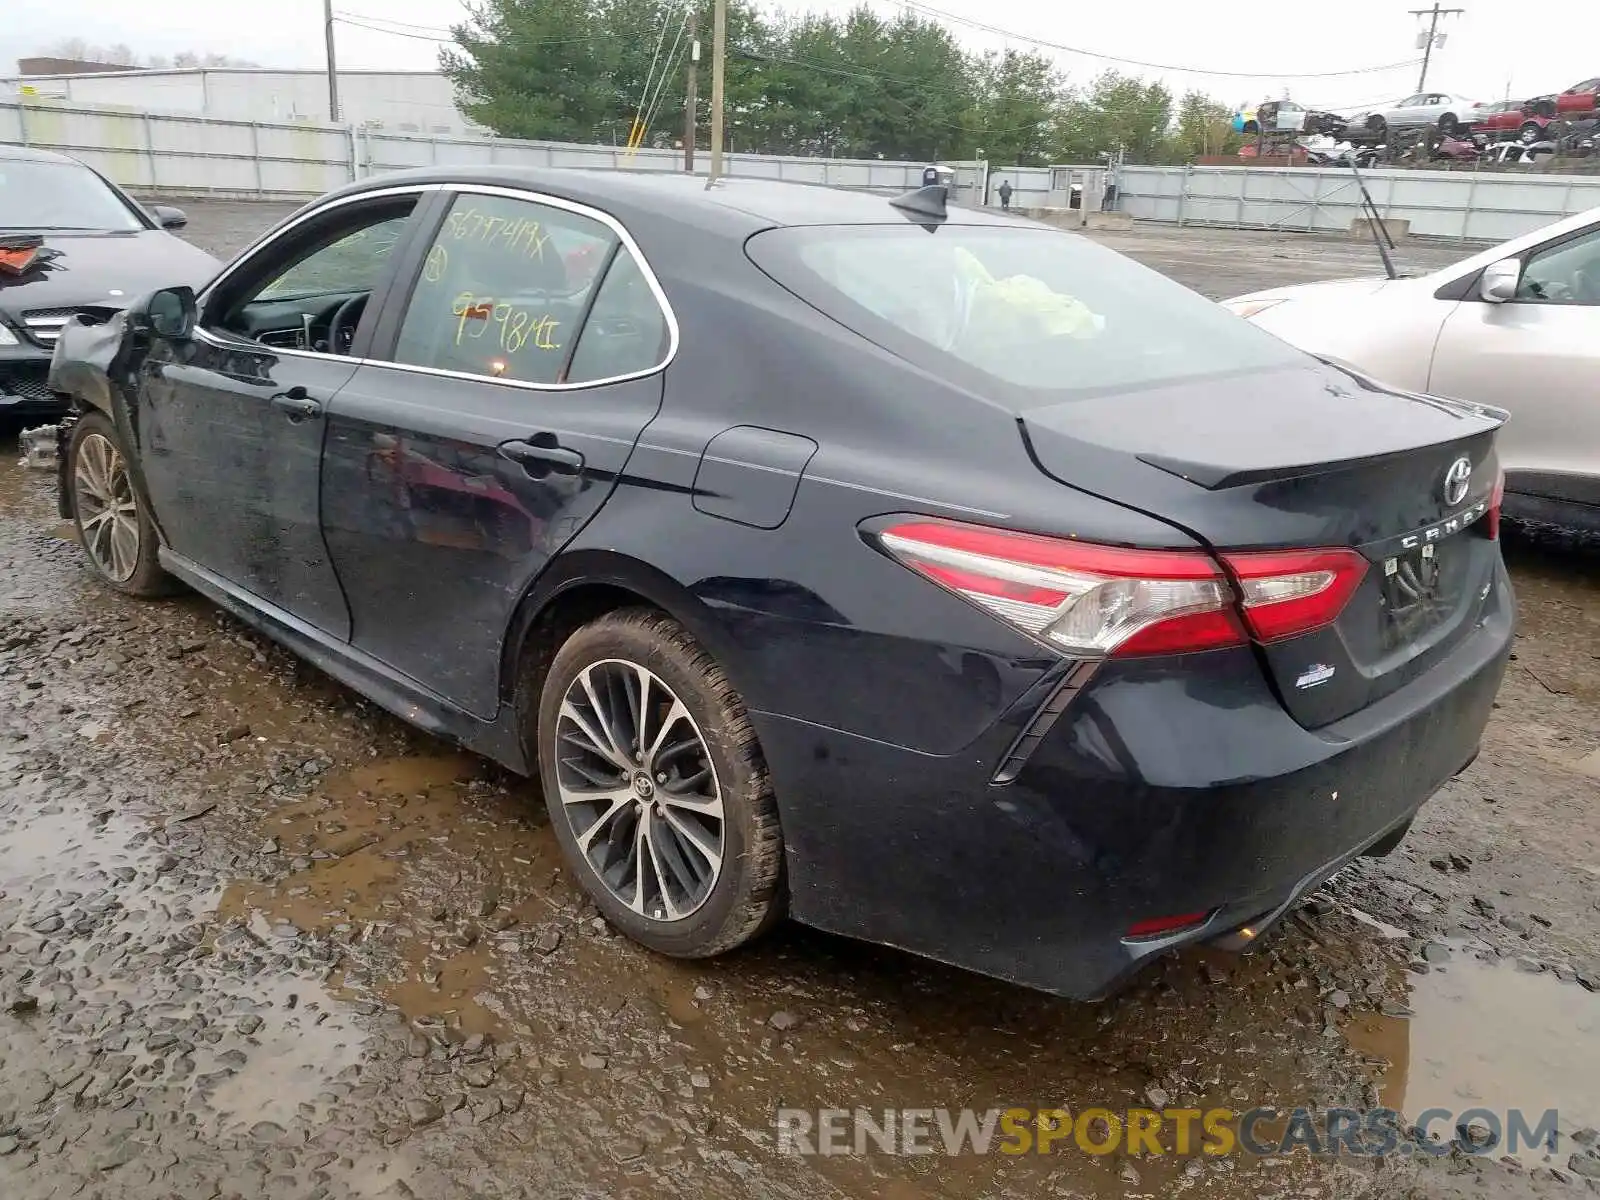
342 327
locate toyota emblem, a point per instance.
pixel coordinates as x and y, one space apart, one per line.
1457 480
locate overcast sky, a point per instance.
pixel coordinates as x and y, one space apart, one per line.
1526 47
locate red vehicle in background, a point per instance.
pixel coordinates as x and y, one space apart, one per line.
1579 100
1502 120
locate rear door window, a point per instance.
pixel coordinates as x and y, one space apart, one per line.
503 289
1012 308
626 332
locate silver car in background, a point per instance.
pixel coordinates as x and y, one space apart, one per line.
1517 327
1444 109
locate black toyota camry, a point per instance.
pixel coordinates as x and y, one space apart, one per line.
70 239
929 576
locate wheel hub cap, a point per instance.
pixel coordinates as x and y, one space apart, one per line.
108 513
639 790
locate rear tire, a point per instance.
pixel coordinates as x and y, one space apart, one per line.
1530 133
657 789
1448 123
116 532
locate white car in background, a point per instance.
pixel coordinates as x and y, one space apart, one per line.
1449 112
1517 327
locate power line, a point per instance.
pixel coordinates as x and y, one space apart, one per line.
420 37
649 77
669 71
569 41
388 21
1154 66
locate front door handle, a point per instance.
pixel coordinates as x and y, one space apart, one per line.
298 403
542 455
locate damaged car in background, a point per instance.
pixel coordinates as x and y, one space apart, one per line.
1516 327
71 240
929 576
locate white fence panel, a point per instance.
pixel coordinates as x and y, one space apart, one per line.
176 153
180 153
1476 205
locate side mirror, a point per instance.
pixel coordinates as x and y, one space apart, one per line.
169 313
169 217
1499 281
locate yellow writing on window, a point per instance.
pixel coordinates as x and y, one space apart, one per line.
438 262
514 236
516 326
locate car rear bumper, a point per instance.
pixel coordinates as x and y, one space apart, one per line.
1163 787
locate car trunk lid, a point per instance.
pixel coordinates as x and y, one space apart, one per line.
1307 457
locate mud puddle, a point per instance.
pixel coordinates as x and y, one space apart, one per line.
1486 1033
446 888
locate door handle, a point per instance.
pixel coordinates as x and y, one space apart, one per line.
298 403
542 455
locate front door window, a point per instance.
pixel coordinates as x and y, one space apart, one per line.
308 290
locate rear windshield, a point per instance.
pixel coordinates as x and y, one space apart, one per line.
1032 310
38 196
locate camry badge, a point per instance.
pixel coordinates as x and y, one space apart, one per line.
1457 480
1314 675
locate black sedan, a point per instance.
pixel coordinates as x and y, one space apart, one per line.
70 240
932 577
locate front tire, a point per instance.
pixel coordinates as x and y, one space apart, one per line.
114 528
657 789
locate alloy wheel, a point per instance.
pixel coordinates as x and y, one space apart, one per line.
639 790
108 513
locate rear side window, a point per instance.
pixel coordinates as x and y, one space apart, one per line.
503 289
1012 308
626 331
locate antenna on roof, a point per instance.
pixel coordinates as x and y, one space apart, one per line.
926 201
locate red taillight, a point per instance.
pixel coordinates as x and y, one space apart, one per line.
1091 601
1082 598
1497 499
1290 592
1159 925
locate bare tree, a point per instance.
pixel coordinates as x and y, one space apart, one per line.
122 55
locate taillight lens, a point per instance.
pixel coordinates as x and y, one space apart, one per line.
1088 600
1290 592
1093 601
1497 500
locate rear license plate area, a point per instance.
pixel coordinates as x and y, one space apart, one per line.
1420 588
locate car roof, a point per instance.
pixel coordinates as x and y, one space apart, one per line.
739 206
31 154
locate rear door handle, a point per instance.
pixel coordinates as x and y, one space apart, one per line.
543 455
298 403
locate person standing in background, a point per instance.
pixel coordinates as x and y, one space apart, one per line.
1005 194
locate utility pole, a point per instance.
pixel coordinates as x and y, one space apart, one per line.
333 66
1433 14
719 63
691 124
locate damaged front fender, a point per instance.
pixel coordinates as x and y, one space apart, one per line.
97 362
92 358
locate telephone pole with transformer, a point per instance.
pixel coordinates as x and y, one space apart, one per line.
1433 36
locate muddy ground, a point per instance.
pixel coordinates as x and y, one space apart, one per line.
259 939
